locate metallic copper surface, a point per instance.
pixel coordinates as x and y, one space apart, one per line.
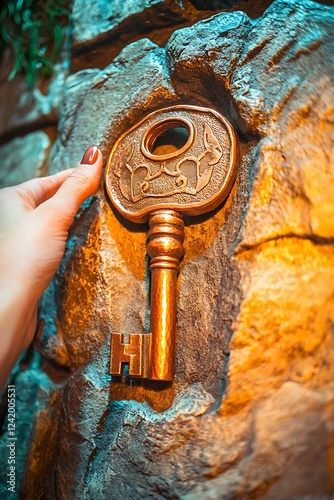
132 350
146 185
193 180
165 247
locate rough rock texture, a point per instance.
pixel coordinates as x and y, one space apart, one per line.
23 109
103 20
24 158
101 29
250 414
35 410
93 22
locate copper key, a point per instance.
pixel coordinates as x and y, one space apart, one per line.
146 185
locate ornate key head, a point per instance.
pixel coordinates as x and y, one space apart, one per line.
191 180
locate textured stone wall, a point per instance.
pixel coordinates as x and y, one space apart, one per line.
250 413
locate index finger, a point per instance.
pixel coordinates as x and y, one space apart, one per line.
38 190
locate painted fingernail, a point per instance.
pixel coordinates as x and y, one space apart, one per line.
90 156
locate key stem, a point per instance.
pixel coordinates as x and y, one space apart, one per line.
165 247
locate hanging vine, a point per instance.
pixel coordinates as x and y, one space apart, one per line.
34 31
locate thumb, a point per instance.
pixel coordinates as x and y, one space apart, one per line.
82 183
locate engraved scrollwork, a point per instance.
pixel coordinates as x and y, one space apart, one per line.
190 175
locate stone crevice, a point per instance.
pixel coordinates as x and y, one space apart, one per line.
313 238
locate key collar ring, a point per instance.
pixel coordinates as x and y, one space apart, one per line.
158 128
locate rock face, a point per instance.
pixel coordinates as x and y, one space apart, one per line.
250 413
23 109
24 158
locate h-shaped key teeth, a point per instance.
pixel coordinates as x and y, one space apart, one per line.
131 350
143 185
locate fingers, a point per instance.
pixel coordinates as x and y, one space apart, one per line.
82 183
39 190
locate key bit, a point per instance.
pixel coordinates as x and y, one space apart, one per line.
145 184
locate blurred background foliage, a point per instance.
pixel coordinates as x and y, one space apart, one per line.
34 30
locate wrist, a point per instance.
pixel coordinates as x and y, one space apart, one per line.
17 309
14 273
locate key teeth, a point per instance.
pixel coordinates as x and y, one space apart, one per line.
130 348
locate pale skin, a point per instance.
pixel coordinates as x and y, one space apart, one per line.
34 221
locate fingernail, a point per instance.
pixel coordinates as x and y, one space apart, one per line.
90 156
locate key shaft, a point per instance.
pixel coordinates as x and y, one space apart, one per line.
165 248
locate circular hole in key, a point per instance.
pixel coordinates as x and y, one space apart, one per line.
167 138
170 140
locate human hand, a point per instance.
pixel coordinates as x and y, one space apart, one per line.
35 217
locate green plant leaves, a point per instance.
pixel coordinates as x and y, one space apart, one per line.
34 31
